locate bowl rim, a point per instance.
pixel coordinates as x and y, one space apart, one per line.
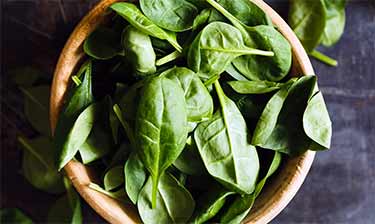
110 209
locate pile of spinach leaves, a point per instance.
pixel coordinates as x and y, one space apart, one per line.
186 119
318 22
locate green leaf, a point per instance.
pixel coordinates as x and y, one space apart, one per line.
335 23
232 71
161 121
199 103
242 205
139 51
223 145
77 135
114 178
103 43
316 121
174 204
173 15
215 47
13 215
37 107
38 165
210 204
189 161
133 15
201 19
308 18
254 87
280 126
135 176
67 209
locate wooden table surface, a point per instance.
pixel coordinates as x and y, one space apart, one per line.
340 187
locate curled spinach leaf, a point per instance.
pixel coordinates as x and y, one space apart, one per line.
223 145
139 51
335 22
133 15
114 178
103 44
160 127
174 203
135 176
173 15
254 87
198 100
217 45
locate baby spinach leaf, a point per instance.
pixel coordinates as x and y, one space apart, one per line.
174 204
210 204
173 15
254 87
189 161
13 215
198 100
201 19
234 73
114 178
135 176
266 68
160 128
79 99
307 18
77 135
36 107
139 51
134 16
242 205
280 126
223 145
335 22
316 122
217 45
38 165
246 11
103 43
67 209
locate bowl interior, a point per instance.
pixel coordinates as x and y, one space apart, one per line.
274 197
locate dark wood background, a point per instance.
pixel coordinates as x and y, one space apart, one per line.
340 187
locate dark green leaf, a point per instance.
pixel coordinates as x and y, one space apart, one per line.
335 23
114 178
254 87
135 176
103 44
13 215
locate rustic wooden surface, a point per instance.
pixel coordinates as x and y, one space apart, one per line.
339 188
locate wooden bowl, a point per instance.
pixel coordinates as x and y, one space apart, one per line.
275 196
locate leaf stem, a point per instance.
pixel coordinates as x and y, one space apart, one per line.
155 180
168 58
323 58
76 80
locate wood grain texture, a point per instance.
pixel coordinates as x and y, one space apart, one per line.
275 196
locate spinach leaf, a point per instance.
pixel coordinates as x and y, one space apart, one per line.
36 107
173 15
234 73
210 204
254 87
308 18
78 135
217 45
135 176
242 205
247 12
266 38
174 204
201 19
223 145
335 23
189 161
316 122
13 215
103 43
80 98
280 126
114 178
133 15
38 165
160 128
198 100
139 51
67 209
